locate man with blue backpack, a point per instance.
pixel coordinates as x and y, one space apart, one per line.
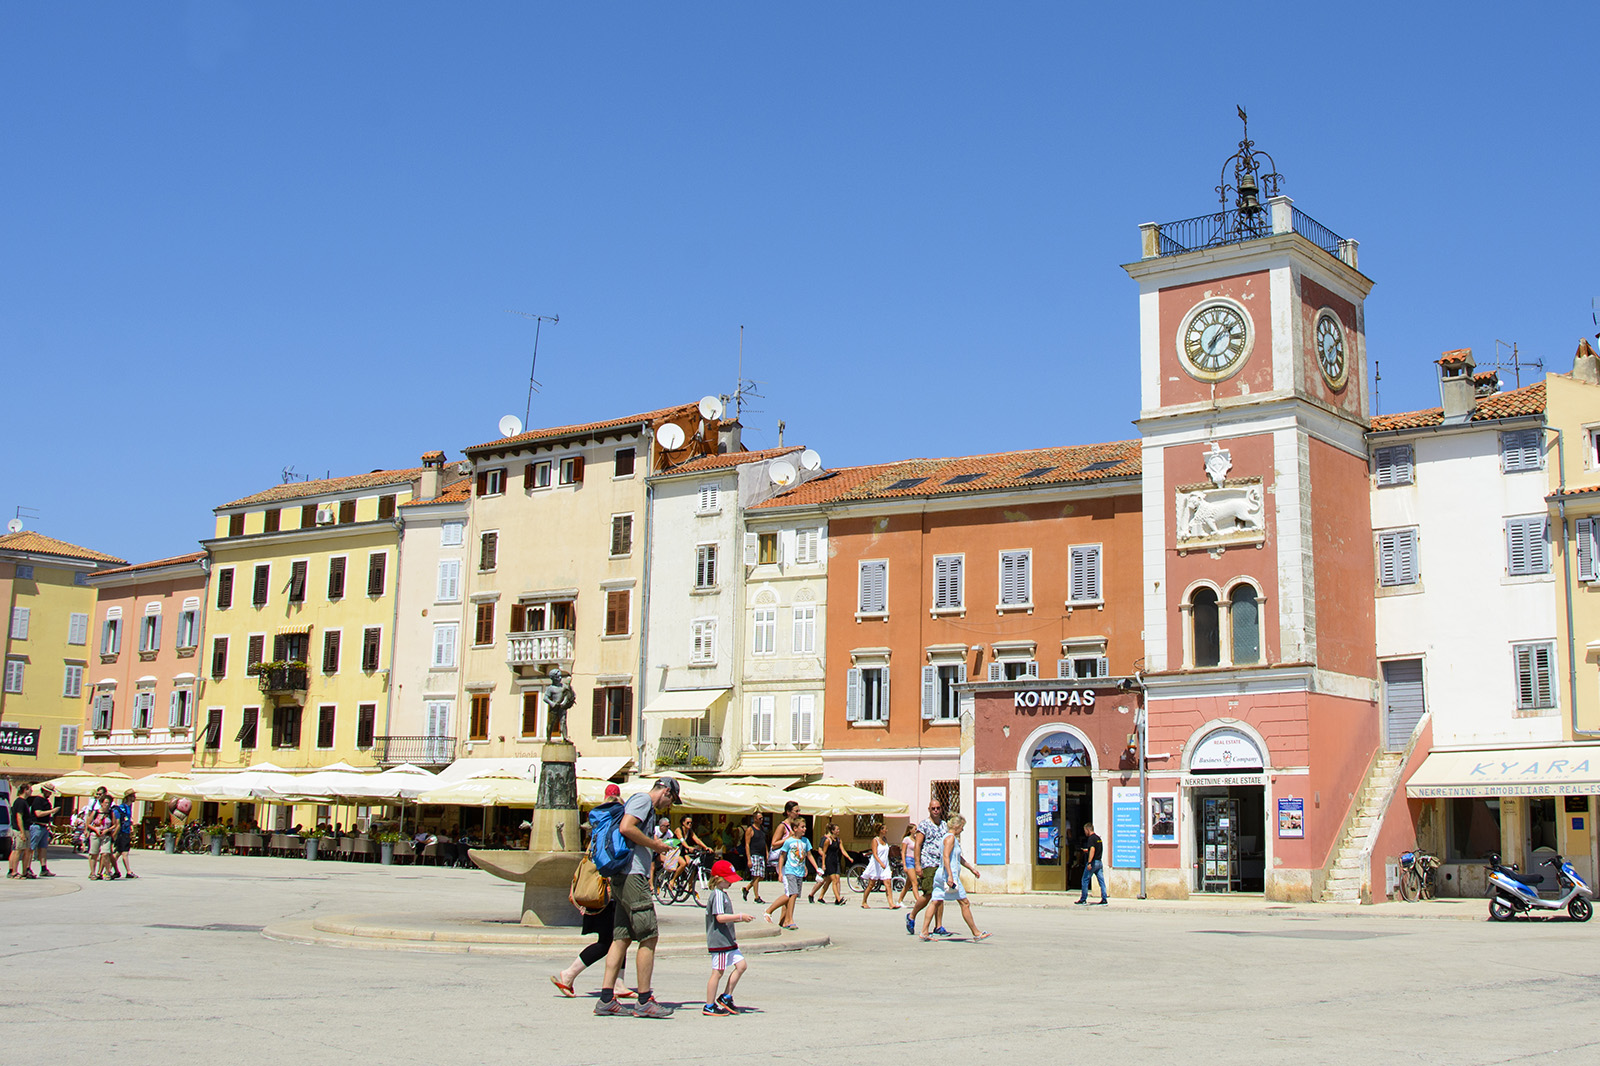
620 846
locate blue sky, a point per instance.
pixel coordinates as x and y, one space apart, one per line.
239 237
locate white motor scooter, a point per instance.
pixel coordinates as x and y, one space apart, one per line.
1512 893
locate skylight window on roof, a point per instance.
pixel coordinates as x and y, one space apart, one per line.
1038 471
1105 464
906 483
962 479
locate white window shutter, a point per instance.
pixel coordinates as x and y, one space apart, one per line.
961 674
751 548
852 695
19 623
1031 668
755 719
807 718
997 672
930 690
1102 667
172 710
1064 668
884 707
1587 542
769 709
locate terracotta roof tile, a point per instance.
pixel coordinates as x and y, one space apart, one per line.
973 474
299 490
1528 400
155 564
1455 356
39 544
535 436
1587 490
724 460
455 492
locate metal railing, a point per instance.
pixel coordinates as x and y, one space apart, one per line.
1235 227
689 753
424 751
1316 232
283 679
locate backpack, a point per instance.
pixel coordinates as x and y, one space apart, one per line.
589 890
608 848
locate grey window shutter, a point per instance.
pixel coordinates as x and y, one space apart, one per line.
961 674
751 546
930 690
996 672
1064 668
883 715
1031 668
1587 539
852 695
1102 667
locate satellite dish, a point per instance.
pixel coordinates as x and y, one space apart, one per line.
810 460
670 437
782 472
14 526
510 426
710 408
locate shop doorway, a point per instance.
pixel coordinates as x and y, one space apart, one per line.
1230 838
1062 804
1539 845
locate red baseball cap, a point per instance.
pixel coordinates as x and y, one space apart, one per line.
613 791
724 869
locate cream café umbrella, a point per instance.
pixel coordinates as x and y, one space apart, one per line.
834 798
169 785
84 783
490 790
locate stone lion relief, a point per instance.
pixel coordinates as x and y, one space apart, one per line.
1233 512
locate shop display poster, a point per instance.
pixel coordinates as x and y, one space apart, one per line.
1164 818
1291 816
1127 828
991 825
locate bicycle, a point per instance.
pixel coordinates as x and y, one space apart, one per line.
1416 875
682 887
897 874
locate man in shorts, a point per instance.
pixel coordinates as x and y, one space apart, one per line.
636 908
122 835
930 834
21 823
44 812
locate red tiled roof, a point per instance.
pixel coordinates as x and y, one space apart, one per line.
39 544
455 492
535 436
299 490
1528 400
1455 356
925 478
1587 490
724 460
176 560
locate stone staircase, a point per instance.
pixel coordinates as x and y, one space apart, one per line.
1347 874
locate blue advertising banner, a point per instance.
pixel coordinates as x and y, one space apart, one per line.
1127 828
991 826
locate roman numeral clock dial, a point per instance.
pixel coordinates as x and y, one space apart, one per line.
1214 339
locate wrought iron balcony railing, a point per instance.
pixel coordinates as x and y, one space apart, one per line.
1236 227
423 751
539 648
689 753
282 679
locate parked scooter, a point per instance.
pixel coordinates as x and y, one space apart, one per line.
1512 893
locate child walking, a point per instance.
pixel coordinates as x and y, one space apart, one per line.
721 941
878 871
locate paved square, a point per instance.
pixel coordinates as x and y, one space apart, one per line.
171 968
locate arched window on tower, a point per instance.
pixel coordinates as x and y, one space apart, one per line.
1207 636
1245 617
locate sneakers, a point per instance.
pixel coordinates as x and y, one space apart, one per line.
1100 903
942 931
610 1008
911 925
45 872
651 1009
715 1010
726 1001
1079 902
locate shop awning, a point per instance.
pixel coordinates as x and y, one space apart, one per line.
602 767
689 703
291 631
1567 770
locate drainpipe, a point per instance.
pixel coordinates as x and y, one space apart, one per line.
644 606
1566 577
394 629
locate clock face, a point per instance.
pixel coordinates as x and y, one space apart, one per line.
1214 339
1330 349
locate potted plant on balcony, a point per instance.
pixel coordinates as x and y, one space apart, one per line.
218 832
310 837
387 839
281 675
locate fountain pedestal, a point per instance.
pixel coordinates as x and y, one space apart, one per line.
545 869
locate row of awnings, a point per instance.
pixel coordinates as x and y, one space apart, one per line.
1564 770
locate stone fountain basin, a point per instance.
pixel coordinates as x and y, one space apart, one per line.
524 866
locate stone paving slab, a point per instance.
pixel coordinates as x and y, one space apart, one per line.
1469 910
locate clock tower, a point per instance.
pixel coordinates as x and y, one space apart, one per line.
1258 563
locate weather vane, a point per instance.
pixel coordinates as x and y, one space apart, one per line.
1247 182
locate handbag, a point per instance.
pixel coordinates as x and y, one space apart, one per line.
590 890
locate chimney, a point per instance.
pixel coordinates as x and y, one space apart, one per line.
1457 394
1586 364
432 474
728 438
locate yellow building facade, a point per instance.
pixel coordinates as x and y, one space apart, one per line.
49 652
1573 408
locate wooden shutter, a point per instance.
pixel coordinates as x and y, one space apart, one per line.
1402 701
484 633
617 610
852 695
530 714
370 639
997 672
1084 579
386 506
483 482
308 516
376 563
1016 585
1397 557
597 725
883 695
752 549
577 469
213 729
270 519
236 525
1394 465
325 717
297 581
1527 547
873 587
224 589
1030 669
1102 667
263 582
1519 450
219 657
254 654
330 652
336 578
488 551
930 691
347 512
1587 543
366 724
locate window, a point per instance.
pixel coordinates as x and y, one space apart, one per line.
1393 465
291 647
949 593
766 631
478 723
19 622
940 701
708 502
246 736
72 683
371 640
572 470
366 724
263 582
78 628
623 464
104 706
111 634
537 475
488 551
236 525
1016 579
1474 829
1527 545
703 641
69 741
144 705
219 657
705 566
866 694
619 608
1245 617
377 563
14 668
24 572
621 534
1397 557
1013 667
325 716
447 588
491 482
802 719
297 581
1075 667
286 727
330 651
452 534
483 631
762 711
270 519
530 713
188 624
873 587
867 824
445 637
254 652
179 708
150 632
336 578
1535 676
766 549
805 546
804 638
946 793
1083 579
347 512
213 737
1203 616
225 589
1586 531
308 515
386 506
613 711
1519 451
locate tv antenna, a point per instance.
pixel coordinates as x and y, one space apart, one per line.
1516 363
742 387
1377 382
289 475
15 525
533 382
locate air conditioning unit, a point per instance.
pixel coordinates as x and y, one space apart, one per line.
327 515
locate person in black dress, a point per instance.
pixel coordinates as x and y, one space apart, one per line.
834 857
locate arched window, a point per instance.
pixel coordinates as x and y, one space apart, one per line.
1246 618
1207 637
